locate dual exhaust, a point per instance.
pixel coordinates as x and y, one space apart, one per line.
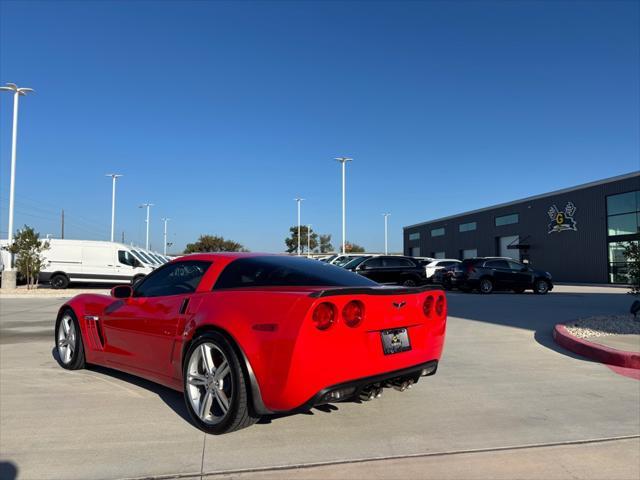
375 391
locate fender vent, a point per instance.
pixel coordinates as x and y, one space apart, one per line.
183 307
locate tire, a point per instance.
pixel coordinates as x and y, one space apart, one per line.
68 341
518 290
59 281
216 404
541 287
486 286
409 282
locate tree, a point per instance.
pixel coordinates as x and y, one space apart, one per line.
292 241
632 254
214 243
353 248
325 243
28 248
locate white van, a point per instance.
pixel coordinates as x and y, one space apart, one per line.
89 261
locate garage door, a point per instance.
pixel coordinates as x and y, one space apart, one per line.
504 242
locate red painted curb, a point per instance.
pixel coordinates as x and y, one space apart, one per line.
610 356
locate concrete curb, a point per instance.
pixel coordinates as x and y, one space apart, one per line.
600 353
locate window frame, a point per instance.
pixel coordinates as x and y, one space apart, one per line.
164 267
498 217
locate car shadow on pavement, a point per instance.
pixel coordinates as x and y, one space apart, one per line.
537 313
172 398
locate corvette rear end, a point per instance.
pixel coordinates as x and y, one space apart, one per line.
354 342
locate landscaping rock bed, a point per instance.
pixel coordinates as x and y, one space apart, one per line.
603 325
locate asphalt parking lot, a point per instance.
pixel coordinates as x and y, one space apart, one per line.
504 395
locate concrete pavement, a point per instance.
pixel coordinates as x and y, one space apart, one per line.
502 383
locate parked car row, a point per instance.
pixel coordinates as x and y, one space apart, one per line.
484 274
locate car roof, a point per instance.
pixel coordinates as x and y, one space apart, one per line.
226 255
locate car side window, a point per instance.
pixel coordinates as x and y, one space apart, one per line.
392 262
515 266
497 264
126 258
172 279
373 263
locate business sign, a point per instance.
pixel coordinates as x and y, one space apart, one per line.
562 220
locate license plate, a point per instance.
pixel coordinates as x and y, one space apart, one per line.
395 341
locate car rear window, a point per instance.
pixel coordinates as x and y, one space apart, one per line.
280 271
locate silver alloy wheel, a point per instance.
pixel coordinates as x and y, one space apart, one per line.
209 383
66 339
485 286
542 286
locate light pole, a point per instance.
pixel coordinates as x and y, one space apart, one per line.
386 241
165 220
343 161
309 240
299 201
148 207
10 280
114 177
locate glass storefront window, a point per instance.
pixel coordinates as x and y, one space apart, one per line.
618 265
623 203
507 219
437 232
626 224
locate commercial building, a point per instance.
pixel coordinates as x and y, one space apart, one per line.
578 234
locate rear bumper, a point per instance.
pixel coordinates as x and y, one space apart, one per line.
353 388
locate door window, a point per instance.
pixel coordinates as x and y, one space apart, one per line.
172 279
497 264
392 262
516 267
126 258
373 263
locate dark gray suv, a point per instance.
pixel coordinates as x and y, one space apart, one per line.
487 274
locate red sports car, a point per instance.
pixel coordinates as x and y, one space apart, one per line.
245 335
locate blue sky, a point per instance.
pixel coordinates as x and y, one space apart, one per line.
220 113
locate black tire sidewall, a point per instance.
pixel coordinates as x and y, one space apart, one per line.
537 289
238 382
78 359
64 281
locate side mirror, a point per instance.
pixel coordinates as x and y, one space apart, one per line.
122 291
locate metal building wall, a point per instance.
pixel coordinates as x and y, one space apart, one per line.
570 256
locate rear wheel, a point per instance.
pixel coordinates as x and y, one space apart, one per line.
59 281
215 388
409 282
69 344
486 285
541 287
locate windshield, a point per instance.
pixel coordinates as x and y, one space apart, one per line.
280 271
144 258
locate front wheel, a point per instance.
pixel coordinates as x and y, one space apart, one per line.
59 281
541 287
69 344
215 388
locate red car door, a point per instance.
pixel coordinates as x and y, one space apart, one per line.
140 332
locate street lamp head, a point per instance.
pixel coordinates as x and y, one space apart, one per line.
145 205
12 87
114 175
343 159
386 214
298 199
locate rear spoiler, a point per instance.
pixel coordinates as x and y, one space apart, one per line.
382 290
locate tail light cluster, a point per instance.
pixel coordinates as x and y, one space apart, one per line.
326 314
432 304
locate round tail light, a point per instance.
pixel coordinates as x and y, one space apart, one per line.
440 305
324 315
427 306
353 313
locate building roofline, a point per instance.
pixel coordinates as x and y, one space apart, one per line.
529 199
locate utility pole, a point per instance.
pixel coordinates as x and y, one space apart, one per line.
123 236
343 161
9 274
386 242
62 225
165 220
148 207
114 177
299 200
